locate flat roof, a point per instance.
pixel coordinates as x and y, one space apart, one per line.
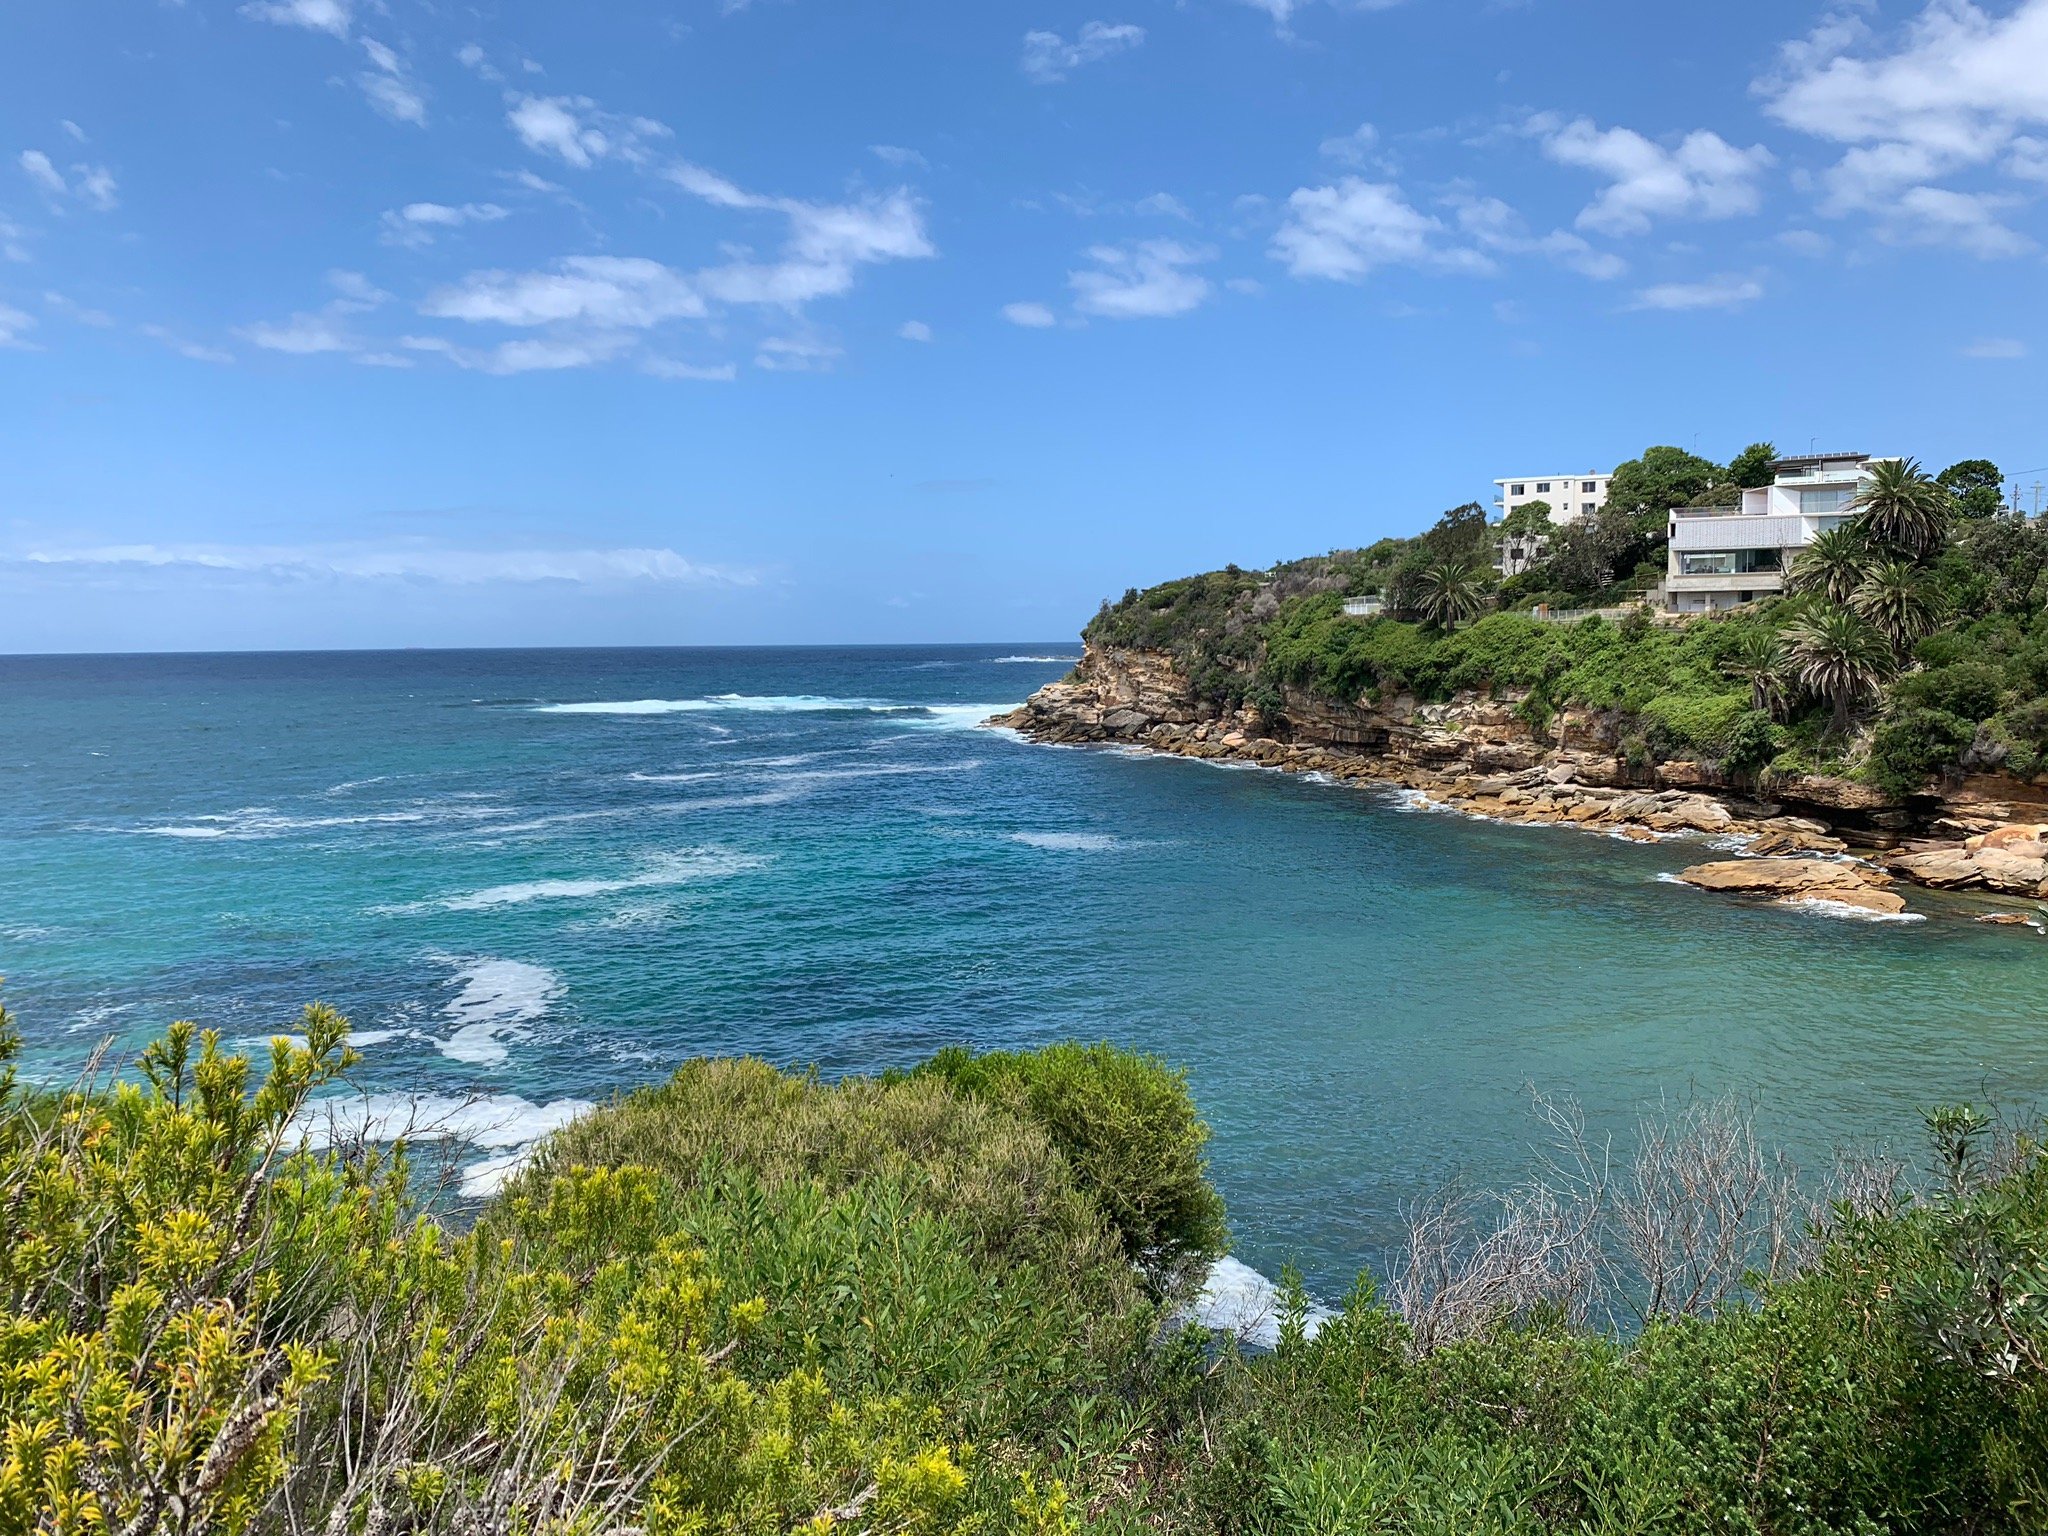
1591 474
1817 458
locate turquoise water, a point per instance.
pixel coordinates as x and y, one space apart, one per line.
539 877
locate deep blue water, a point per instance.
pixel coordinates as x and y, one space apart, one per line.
543 876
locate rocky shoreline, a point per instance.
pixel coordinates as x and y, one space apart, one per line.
1816 840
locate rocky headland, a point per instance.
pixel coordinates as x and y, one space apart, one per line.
1805 839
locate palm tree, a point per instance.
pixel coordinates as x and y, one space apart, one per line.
1904 507
1759 660
1901 602
1838 658
1833 565
1449 592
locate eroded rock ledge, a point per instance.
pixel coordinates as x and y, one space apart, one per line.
1480 756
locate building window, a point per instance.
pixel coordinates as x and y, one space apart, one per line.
1542 487
1588 486
1518 490
1585 506
1824 503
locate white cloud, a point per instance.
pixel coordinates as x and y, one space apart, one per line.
12 236
914 330
528 354
196 351
1048 56
1031 316
471 57
42 172
1146 280
416 224
1951 91
1347 230
629 292
13 323
403 562
1359 147
825 243
303 335
330 16
389 89
68 307
1164 205
353 292
2003 349
1713 293
96 187
669 368
76 132
1704 176
796 354
899 157
573 129
1497 227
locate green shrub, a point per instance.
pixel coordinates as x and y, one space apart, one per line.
1128 1127
1913 746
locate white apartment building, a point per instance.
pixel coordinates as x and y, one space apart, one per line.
1722 557
1571 497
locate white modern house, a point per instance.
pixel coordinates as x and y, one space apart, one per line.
1569 497
1722 557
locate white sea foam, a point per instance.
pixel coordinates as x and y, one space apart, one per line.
668 869
504 1124
878 771
1821 906
262 821
1237 1299
673 778
499 1000
950 717
1005 661
26 933
1065 842
773 704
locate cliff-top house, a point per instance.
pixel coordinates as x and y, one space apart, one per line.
1721 557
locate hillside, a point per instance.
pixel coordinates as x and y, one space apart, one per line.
945 1301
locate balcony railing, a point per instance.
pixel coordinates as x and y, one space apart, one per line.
1734 511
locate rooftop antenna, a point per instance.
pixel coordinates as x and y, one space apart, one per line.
1809 444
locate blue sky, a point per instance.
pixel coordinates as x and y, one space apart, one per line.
362 322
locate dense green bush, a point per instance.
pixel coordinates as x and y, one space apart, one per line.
1128 1129
770 1304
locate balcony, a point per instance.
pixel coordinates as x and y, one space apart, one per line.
1734 511
1724 581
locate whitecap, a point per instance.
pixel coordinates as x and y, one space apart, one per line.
1006 661
668 869
1065 842
879 771
673 778
774 704
1238 1300
499 1000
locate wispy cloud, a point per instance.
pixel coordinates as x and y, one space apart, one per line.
1999 349
329 16
1712 293
390 88
92 185
14 326
417 224
198 352
1032 316
1149 279
1048 57
398 562
576 131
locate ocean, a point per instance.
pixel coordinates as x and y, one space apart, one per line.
536 878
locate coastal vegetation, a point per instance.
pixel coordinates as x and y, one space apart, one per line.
1912 641
948 1299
